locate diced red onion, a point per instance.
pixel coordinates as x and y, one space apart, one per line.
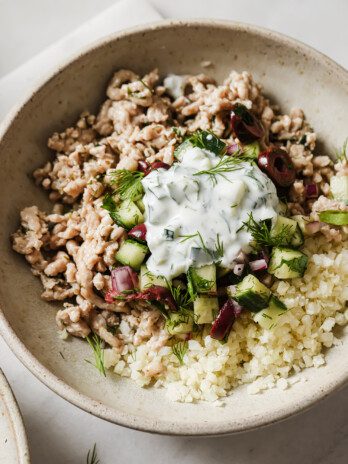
238 269
123 278
154 293
138 232
312 227
312 191
143 165
232 149
267 280
225 319
241 258
258 265
264 255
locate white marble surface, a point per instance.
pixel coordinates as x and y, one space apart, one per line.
60 433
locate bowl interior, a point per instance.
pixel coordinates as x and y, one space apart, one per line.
291 74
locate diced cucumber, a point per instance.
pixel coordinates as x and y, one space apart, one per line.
339 188
252 294
286 263
205 309
140 205
179 323
129 214
147 279
132 253
252 150
268 318
293 234
202 279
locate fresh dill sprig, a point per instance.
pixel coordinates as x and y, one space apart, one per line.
219 247
262 235
180 295
179 349
226 164
97 345
341 154
128 184
92 457
110 205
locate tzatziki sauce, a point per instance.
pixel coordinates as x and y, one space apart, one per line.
196 219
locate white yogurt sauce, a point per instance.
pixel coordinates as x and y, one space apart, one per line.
179 204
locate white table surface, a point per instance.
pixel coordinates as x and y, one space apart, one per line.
62 434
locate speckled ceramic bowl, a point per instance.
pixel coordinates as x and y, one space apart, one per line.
13 440
292 74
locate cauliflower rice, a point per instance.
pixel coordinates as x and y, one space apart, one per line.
72 251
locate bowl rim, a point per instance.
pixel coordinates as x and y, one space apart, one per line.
72 395
16 419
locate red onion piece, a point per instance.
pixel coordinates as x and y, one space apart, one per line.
123 278
238 269
232 149
156 165
241 258
267 280
138 232
312 227
264 255
143 165
225 319
154 293
258 265
312 191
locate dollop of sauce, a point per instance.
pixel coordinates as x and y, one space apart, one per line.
196 219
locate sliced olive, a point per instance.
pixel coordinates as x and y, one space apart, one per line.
277 164
245 125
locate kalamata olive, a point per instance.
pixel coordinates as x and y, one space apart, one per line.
138 232
225 319
277 164
245 125
156 165
143 165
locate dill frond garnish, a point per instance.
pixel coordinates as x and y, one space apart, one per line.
341 154
226 164
179 350
92 457
261 233
97 345
215 254
219 248
180 295
128 184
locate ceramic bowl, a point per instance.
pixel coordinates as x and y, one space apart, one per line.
292 75
13 440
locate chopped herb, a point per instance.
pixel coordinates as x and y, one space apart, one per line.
92 457
226 164
61 355
180 295
206 140
97 345
128 184
219 247
261 233
179 350
110 205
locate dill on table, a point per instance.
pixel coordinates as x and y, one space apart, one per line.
97 345
92 457
179 349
